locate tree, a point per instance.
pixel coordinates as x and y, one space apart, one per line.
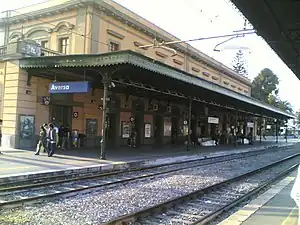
265 84
239 64
297 120
281 104
285 105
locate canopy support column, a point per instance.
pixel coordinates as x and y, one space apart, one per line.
189 124
106 82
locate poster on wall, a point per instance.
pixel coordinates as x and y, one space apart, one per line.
147 130
91 127
125 130
27 124
250 124
167 127
213 120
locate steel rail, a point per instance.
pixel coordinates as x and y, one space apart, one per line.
214 215
162 207
86 189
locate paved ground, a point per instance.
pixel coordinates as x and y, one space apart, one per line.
273 207
22 161
280 210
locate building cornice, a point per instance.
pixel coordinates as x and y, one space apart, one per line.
121 13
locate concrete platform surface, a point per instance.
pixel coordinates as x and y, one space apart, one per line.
23 163
274 207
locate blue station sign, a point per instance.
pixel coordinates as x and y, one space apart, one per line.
68 87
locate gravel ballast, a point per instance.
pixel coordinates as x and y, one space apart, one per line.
104 205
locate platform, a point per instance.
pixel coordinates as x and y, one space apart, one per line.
24 163
274 207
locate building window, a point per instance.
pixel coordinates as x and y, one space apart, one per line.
44 44
113 46
63 45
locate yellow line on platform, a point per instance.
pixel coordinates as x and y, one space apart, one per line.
292 217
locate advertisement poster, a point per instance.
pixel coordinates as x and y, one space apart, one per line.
91 127
147 130
167 127
27 124
125 130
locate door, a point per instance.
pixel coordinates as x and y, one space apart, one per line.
91 132
62 115
174 130
158 129
111 130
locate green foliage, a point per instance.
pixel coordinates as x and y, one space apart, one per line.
239 64
265 84
297 120
265 88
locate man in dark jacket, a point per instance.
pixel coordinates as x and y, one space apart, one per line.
51 140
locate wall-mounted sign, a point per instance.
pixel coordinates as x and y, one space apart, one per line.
46 100
68 87
75 114
268 127
147 130
213 120
250 124
29 49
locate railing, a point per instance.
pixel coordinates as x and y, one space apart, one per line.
49 52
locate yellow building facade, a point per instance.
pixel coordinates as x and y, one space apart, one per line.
86 27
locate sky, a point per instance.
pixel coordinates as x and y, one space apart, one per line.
188 19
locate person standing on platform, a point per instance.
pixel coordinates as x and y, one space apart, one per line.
42 140
66 137
60 136
52 140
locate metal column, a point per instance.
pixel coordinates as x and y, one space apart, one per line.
286 130
105 81
189 124
235 127
276 132
260 129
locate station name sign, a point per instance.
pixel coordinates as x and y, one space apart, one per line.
68 87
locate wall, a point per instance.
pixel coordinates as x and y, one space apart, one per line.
19 99
130 38
100 28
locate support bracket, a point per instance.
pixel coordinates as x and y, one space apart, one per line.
29 76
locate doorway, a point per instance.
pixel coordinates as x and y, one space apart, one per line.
158 129
174 129
62 115
111 130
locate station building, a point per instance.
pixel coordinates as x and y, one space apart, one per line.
59 56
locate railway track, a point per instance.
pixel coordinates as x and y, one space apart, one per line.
16 196
203 206
74 176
